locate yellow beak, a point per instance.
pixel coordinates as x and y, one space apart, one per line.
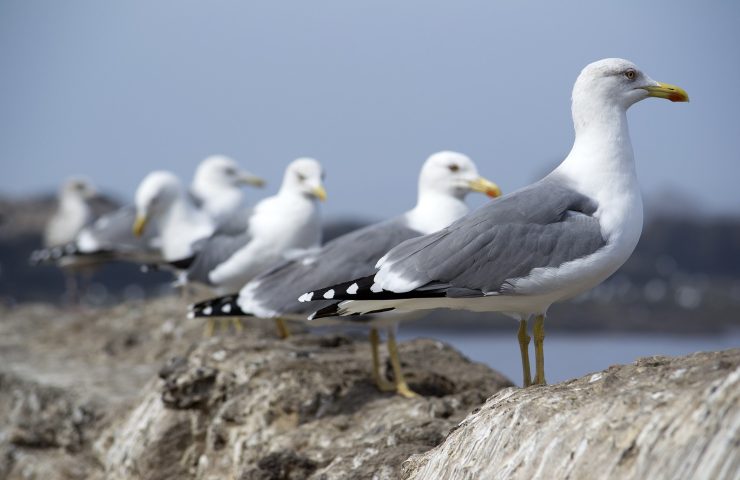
667 91
319 192
483 185
247 178
139 225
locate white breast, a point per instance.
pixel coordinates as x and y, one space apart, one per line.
606 173
180 229
279 226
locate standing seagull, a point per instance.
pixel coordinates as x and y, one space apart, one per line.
163 203
217 187
279 226
444 181
543 244
73 212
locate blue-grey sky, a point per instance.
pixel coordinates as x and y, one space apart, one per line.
370 88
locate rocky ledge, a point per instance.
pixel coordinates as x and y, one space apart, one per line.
659 418
135 392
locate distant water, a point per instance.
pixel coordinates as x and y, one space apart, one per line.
573 355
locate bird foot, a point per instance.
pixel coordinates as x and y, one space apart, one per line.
384 386
404 390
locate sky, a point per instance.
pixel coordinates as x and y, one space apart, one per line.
113 90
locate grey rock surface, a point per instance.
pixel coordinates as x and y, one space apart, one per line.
659 418
134 392
255 408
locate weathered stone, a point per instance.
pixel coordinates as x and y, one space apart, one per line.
660 417
135 392
300 408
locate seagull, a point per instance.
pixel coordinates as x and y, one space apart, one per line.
162 201
73 212
216 189
280 226
545 243
444 181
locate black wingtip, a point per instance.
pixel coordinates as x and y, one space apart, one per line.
332 310
183 263
335 310
353 290
51 254
226 306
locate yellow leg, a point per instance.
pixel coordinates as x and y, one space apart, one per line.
236 322
539 351
382 384
223 325
209 328
524 349
282 328
401 387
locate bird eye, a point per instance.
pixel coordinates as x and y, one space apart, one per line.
230 171
631 74
301 177
453 167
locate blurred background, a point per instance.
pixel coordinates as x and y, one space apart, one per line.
113 90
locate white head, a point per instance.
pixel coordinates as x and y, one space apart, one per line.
304 176
616 84
219 171
155 196
453 174
77 188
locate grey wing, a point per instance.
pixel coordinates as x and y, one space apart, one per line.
212 252
348 256
113 232
236 223
109 238
544 225
102 205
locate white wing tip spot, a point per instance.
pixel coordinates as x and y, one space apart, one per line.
375 288
306 297
353 289
207 311
329 294
226 308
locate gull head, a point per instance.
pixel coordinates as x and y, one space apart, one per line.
306 177
454 174
77 187
220 171
615 82
154 197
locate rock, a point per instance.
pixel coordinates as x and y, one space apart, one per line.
260 408
111 394
43 416
135 392
660 417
